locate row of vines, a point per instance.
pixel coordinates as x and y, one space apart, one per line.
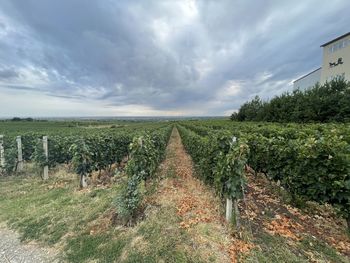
146 152
141 149
220 159
96 151
311 162
103 150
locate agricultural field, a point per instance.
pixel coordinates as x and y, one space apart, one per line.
177 191
185 131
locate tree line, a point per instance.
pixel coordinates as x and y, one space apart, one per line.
329 102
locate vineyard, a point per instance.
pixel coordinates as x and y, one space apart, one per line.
308 163
312 163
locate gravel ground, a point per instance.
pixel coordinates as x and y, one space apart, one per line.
13 251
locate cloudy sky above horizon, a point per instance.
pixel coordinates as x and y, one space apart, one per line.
144 58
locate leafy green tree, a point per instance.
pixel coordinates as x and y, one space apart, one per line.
250 110
321 103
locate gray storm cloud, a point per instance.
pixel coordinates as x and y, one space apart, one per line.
177 56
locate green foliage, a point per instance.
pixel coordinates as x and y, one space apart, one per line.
110 145
322 103
143 157
10 160
250 110
220 159
29 141
58 147
82 157
146 152
314 168
312 162
229 172
129 198
38 156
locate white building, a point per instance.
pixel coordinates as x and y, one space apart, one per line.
308 80
335 63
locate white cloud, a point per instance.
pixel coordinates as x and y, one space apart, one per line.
181 57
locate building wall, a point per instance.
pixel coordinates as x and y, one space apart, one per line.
331 54
308 80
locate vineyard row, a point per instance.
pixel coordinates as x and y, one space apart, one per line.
309 167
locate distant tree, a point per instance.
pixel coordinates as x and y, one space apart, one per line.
234 116
20 119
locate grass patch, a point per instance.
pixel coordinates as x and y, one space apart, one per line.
44 214
278 249
56 213
159 239
274 249
53 212
321 250
102 247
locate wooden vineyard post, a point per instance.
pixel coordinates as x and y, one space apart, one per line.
19 151
83 183
2 153
46 152
236 214
228 209
229 200
232 205
232 209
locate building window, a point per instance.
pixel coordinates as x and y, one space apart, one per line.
339 45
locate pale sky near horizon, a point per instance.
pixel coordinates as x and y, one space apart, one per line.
163 58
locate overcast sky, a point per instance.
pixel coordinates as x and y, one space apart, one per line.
137 58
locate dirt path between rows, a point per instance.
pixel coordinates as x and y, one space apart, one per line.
13 251
196 205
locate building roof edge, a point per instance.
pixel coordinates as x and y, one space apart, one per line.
335 39
304 76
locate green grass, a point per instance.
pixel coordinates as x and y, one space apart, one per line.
278 249
56 214
15 128
62 217
102 247
274 249
37 212
322 250
159 238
